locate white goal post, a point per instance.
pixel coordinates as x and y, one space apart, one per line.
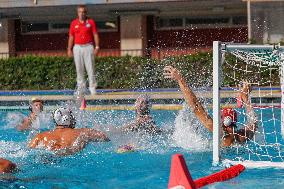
266 146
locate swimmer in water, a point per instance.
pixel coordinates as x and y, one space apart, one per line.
229 117
36 106
65 138
6 166
143 122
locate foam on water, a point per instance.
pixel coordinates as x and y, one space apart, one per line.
189 133
43 120
11 150
13 119
186 132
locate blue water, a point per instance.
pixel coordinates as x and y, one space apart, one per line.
98 166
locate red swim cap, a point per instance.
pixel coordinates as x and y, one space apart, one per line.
229 116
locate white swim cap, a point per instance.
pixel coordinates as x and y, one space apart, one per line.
227 121
64 117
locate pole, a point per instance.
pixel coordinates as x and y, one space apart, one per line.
216 101
249 20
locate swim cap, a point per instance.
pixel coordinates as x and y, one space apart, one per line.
64 117
36 99
229 117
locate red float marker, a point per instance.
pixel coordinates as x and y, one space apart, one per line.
83 104
180 177
223 175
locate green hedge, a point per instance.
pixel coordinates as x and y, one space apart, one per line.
34 73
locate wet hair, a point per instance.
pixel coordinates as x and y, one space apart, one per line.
82 6
145 110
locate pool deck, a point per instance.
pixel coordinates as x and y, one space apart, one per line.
173 97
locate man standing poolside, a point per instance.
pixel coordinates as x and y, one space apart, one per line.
83 37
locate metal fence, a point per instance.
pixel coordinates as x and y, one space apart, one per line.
156 53
4 55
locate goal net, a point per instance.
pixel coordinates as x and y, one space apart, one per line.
262 67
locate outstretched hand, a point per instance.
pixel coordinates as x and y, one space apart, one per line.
172 73
245 90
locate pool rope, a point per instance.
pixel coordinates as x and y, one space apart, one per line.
180 177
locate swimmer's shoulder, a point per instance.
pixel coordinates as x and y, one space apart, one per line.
47 134
76 132
85 130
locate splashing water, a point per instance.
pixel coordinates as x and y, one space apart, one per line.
13 120
43 120
189 133
13 150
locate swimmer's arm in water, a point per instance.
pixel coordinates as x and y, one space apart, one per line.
191 99
35 141
95 135
248 131
25 125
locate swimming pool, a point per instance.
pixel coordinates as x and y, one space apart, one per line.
99 166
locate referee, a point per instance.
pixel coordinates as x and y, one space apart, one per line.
84 41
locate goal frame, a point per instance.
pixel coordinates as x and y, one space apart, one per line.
218 48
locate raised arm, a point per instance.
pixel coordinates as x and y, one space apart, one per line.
248 131
191 99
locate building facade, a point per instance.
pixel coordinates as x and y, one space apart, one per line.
149 27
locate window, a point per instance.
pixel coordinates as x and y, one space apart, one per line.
169 22
34 27
199 21
60 26
240 20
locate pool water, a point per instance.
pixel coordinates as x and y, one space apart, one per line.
98 166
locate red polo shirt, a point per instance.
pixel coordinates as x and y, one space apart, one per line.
83 33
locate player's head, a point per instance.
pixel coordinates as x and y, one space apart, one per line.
64 117
229 119
36 105
142 105
6 166
82 12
